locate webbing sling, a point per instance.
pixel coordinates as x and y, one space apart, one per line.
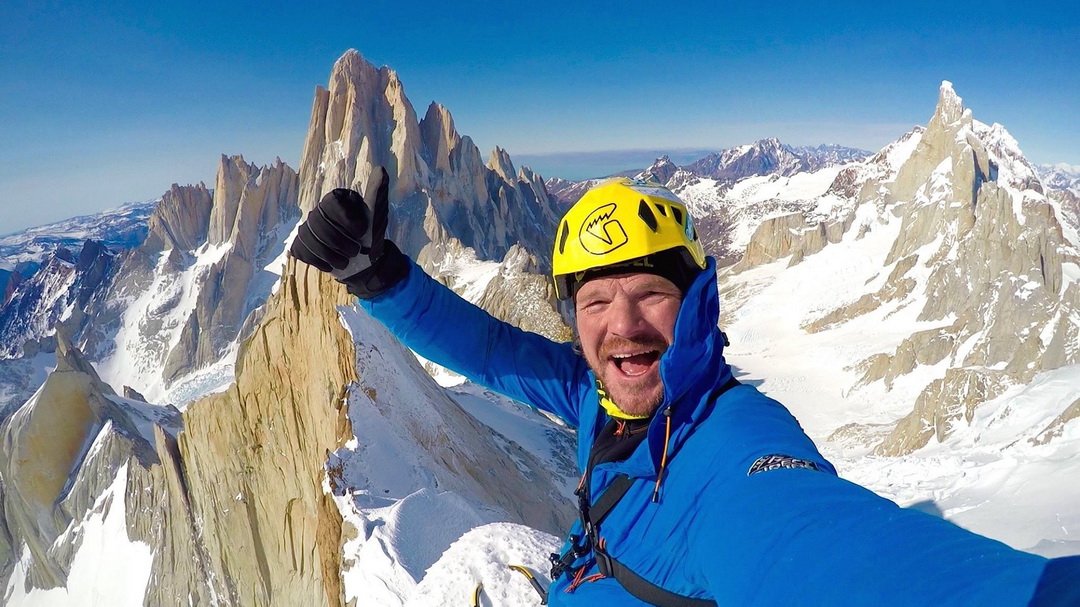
632 582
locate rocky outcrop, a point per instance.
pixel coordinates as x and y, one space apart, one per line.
254 456
250 206
181 219
943 405
779 237
896 288
364 119
61 450
521 295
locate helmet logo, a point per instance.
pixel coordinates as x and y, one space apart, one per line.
600 234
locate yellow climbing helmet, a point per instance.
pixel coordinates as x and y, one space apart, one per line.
619 221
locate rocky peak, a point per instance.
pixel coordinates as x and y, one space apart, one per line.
439 137
992 250
662 169
181 219
233 177
502 165
362 120
950 107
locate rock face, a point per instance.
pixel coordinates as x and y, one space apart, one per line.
181 219
254 456
250 206
364 119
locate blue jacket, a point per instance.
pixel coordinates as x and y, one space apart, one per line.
780 537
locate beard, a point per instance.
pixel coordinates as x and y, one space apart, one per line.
637 395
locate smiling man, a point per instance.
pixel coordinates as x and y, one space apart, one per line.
696 490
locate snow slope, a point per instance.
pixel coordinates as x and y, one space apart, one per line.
169 299
108 568
425 537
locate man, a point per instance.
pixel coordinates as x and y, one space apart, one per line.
696 489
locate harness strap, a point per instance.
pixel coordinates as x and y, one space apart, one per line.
609 498
649 592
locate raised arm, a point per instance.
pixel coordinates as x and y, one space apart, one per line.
442 327
345 235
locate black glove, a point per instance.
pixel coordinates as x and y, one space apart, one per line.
345 235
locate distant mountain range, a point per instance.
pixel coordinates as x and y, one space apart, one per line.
764 157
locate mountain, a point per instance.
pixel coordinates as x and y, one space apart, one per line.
566 192
724 168
916 309
1061 177
364 119
22 253
943 288
65 282
118 229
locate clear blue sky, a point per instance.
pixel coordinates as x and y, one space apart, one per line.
103 106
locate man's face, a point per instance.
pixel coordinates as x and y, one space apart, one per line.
625 322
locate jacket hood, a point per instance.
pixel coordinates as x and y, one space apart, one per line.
691 370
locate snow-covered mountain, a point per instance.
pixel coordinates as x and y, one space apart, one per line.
720 170
1061 176
23 252
942 287
118 229
64 283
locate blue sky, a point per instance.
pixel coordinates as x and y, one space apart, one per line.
101 106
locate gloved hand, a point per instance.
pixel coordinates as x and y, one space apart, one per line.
345 235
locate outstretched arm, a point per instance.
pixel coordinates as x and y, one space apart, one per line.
345 235
802 535
442 327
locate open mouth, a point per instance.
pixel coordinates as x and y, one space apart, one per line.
634 364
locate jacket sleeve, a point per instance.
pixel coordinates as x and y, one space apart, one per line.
805 536
442 327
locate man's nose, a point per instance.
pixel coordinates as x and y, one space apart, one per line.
626 319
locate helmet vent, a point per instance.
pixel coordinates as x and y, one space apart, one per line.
662 209
645 212
677 214
562 237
